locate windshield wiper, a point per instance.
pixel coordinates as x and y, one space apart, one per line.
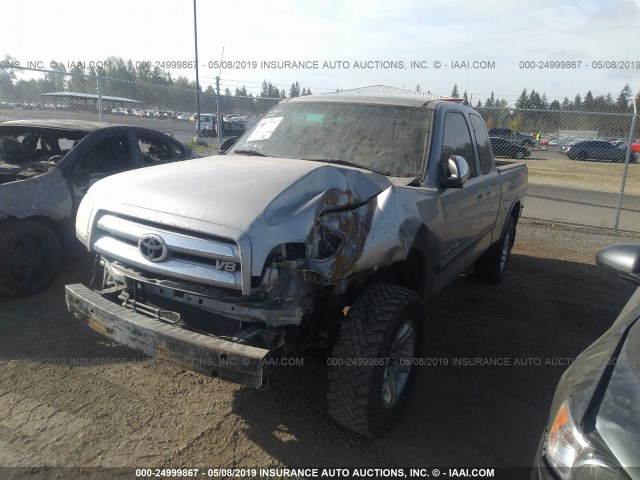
347 163
253 153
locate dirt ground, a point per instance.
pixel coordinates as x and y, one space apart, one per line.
71 398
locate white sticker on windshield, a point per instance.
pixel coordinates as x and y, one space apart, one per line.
264 129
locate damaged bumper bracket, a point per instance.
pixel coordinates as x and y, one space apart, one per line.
191 350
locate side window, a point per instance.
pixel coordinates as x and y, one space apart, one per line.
108 155
457 141
482 139
157 150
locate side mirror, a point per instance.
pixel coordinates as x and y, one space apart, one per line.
226 145
455 172
622 260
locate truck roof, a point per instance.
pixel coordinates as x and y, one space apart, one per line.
369 99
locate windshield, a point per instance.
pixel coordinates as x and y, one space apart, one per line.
378 137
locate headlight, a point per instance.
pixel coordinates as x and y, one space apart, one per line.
83 219
571 456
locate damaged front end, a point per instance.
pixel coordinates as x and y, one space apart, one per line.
276 275
337 238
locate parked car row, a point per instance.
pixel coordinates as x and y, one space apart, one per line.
32 106
160 114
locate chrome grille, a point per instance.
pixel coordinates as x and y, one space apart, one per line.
191 257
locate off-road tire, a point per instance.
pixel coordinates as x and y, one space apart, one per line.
30 257
492 265
358 362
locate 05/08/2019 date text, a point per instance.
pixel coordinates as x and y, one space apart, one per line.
579 64
375 361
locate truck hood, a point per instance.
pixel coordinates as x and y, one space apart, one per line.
237 191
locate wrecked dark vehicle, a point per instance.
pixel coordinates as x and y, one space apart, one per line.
594 423
46 167
322 231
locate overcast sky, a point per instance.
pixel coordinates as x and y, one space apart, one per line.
395 31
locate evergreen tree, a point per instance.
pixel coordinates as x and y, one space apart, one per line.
491 101
589 103
54 82
544 102
577 103
534 100
465 99
454 92
609 103
79 83
294 91
418 88
622 103
523 100
501 103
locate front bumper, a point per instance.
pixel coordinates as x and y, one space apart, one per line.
202 353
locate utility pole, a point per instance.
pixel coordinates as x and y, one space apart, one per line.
218 116
195 34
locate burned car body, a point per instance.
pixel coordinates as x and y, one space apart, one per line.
321 231
46 166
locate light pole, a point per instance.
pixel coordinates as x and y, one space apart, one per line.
195 34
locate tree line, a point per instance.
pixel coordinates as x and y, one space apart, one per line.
534 100
533 112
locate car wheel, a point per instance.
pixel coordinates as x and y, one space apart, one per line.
30 257
519 155
371 368
492 265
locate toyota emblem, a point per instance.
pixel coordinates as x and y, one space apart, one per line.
153 248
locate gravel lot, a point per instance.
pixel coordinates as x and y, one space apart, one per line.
71 398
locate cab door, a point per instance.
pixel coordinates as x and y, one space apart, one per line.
461 228
488 184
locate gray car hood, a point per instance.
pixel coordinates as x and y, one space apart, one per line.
618 419
238 191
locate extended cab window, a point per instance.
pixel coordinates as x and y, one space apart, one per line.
482 140
457 141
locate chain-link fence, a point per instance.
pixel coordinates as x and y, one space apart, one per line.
170 109
583 166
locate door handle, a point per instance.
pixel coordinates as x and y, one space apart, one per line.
489 193
480 195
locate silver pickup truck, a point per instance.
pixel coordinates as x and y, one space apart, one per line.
322 232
